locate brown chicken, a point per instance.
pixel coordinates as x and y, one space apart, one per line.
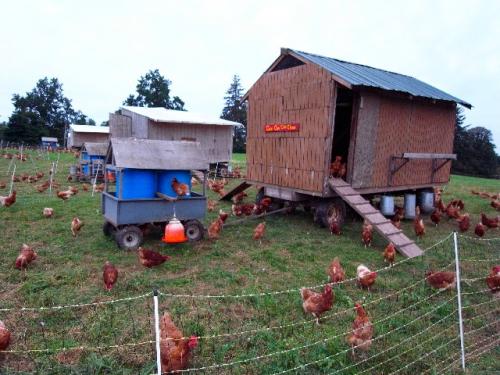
9 200
362 331
367 233
365 277
436 216
440 205
85 187
334 226
4 337
109 275
25 257
336 272
317 303
180 188
396 221
64 195
99 188
223 216
76 225
390 254
211 204
239 197
150 258
494 203
490 223
418 223
48 212
176 350
3 185
39 174
480 229
215 227
41 188
493 280
73 189
452 211
441 280
336 166
464 222
262 206
259 231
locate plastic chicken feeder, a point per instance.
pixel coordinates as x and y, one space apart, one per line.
174 232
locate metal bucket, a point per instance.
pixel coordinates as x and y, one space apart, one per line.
426 201
72 170
387 205
410 203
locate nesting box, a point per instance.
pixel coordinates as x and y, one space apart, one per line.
92 158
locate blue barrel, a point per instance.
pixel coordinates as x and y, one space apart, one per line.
387 205
85 155
136 183
85 169
426 201
410 204
165 181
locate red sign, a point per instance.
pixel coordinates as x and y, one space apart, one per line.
271 128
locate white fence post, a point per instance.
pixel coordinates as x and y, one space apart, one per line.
157 331
12 179
459 297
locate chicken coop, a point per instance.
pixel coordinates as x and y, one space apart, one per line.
91 162
79 134
393 134
214 135
49 142
142 190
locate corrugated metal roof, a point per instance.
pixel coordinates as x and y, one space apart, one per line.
49 139
95 148
365 76
160 114
89 128
156 154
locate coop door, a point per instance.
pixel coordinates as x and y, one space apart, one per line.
342 128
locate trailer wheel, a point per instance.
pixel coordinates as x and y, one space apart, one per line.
129 238
194 230
326 211
108 229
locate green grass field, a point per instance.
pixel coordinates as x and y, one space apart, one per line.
415 326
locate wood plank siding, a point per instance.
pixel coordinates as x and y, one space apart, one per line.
120 126
78 139
299 160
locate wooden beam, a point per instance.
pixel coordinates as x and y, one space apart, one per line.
417 155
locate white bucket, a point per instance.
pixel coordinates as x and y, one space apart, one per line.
426 201
410 203
387 205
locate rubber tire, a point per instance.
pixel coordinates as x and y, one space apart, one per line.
327 209
108 229
194 230
129 238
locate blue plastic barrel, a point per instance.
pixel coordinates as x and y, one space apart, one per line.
165 181
426 201
387 205
410 205
136 183
85 169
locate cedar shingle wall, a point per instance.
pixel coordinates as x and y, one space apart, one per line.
298 160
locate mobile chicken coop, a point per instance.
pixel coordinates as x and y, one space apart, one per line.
80 134
91 162
142 193
394 132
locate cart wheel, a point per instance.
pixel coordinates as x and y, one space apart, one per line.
194 230
325 211
129 238
108 229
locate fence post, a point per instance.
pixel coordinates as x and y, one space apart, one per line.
12 179
157 331
459 298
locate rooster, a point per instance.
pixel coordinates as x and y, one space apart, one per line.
150 258
436 216
9 200
441 280
4 337
367 233
259 231
211 205
464 222
480 229
179 188
390 254
493 280
48 212
490 223
175 349
365 277
76 225
25 257
239 197
336 272
317 303
418 224
109 275
362 331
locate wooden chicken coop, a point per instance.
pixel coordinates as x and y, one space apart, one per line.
394 132
91 163
214 135
79 134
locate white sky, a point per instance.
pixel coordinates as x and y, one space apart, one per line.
98 49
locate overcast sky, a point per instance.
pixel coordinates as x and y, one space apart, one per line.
98 49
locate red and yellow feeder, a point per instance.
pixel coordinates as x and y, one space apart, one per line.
174 232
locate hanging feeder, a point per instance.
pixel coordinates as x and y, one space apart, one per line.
174 232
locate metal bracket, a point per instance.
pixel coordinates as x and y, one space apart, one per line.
393 167
436 167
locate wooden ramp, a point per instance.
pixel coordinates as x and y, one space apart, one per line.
380 223
238 189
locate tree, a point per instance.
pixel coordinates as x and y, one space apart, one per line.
236 110
44 111
153 90
474 148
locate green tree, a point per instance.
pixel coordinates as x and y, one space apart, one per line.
44 111
236 110
153 90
